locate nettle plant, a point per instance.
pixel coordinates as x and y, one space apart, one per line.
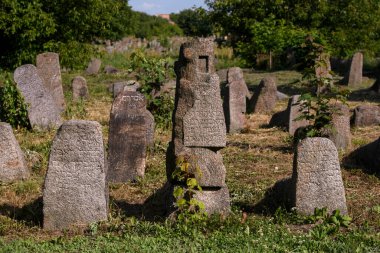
13 109
316 105
188 207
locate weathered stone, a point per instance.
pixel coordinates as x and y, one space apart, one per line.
340 133
324 68
75 191
367 115
355 75
235 74
42 110
222 76
294 111
49 70
12 162
130 134
281 96
149 118
79 86
199 129
110 70
216 201
317 177
94 67
130 85
265 98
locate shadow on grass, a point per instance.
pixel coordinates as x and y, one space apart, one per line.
31 213
247 146
279 195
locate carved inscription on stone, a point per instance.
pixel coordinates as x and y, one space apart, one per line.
318 176
75 191
130 133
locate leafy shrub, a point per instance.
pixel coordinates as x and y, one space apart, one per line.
12 107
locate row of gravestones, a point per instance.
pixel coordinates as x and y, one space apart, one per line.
76 192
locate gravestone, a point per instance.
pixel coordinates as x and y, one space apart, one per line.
235 93
367 157
340 133
324 68
49 70
79 86
199 130
367 115
265 98
355 74
93 67
12 163
75 191
110 69
130 85
130 134
42 110
294 111
317 177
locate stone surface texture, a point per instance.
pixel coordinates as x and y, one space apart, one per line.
293 112
79 88
12 163
366 115
129 135
42 110
317 177
93 67
235 92
199 129
75 191
49 70
355 75
265 98
130 85
340 132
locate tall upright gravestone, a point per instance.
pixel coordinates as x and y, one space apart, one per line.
75 191
131 131
265 98
355 75
199 130
49 70
43 112
12 162
317 177
235 93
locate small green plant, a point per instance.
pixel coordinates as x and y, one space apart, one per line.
76 110
189 208
316 105
13 110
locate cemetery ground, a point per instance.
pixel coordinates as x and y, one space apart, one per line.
255 160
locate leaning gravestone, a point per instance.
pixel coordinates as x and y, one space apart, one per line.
93 67
235 93
265 98
12 162
340 133
79 87
42 110
75 191
355 74
367 115
50 72
317 177
199 130
130 134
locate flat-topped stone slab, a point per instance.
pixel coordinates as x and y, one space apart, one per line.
75 190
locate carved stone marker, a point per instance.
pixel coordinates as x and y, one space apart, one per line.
367 115
49 70
12 162
75 191
93 67
79 86
355 75
317 177
42 110
199 129
235 92
340 132
130 134
130 85
265 98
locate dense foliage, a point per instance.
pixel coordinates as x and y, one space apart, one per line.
193 22
69 27
261 26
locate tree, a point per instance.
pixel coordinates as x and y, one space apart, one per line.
193 22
